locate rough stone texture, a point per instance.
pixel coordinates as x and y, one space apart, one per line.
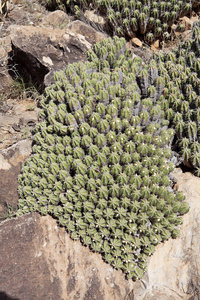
57 19
94 18
11 160
137 42
174 269
25 272
91 35
187 34
155 45
40 261
38 51
19 16
187 23
16 121
5 48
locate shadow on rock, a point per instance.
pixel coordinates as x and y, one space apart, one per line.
4 296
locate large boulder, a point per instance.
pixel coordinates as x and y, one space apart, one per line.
39 261
40 51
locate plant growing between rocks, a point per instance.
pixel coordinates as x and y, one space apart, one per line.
152 19
101 159
180 70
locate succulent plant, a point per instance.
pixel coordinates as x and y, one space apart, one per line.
182 93
128 18
106 176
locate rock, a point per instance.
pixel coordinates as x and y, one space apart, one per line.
187 23
40 51
11 160
16 121
28 13
145 54
5 48
57 19
155 45
92 17
91 35
39 261
136 42
19 16
174 269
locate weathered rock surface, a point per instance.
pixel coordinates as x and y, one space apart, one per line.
174 269
137 42
91 35
39 51
16 121
39 261
5 48
94 18
57 19
11 160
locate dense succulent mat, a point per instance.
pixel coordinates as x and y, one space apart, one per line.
128 18
180 70
101 160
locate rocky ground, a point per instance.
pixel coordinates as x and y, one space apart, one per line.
38 259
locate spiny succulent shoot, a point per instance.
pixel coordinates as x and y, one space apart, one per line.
180 70
127 18
101 158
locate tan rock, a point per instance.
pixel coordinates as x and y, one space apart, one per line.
91 16
56 18
4 164
186 22
90 34
39 261
194 17
11 160
18 153
136 42
17 123
155 45
5 48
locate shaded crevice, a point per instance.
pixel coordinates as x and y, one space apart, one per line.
186 169
4 296
24 65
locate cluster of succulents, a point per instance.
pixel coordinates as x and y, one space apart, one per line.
100 162
180 70
128 18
